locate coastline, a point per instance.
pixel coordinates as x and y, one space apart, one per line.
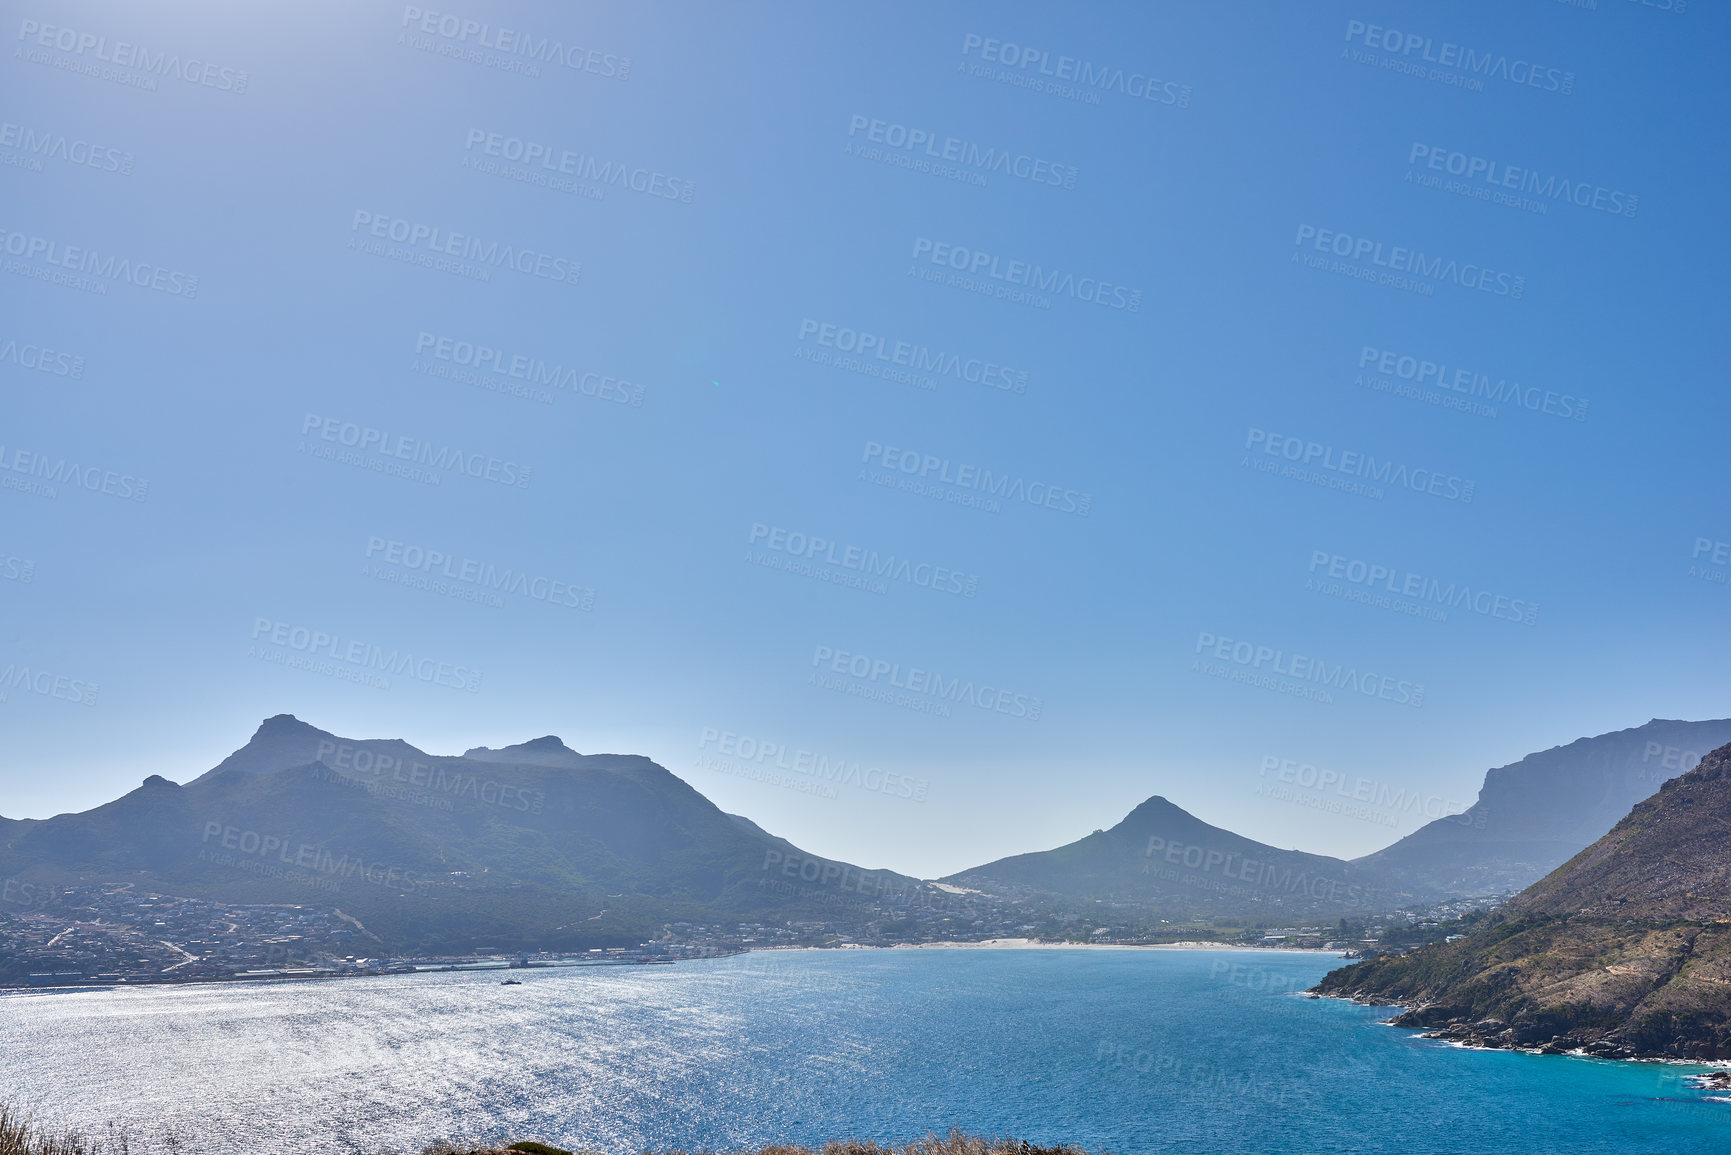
1473 1044
1037 944
984 944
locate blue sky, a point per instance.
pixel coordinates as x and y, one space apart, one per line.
645 585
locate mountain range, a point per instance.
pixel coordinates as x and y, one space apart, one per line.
1624 951
537 846
532 845
1533 815
1530 816
1162 858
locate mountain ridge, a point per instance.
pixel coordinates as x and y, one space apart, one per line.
1624 951
1533 814
437 852
1163 859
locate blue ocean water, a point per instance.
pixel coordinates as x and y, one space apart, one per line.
1127 1051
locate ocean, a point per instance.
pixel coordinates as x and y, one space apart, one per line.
1125 1051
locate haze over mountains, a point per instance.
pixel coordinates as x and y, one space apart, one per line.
1162 857
532 845
536 845
1532 815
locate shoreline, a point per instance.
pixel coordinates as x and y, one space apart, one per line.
983 944
1037 944
1434 1036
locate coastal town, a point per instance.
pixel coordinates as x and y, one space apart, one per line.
114 934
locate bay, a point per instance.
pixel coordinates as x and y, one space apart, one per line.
1128 1051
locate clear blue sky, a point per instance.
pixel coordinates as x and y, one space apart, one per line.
697 439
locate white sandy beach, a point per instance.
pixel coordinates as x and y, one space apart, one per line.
1033 944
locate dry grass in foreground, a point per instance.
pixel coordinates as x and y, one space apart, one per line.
956 1143
19 1135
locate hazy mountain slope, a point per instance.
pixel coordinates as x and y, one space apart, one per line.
285 741
1625 950
1165 859
1532 815
559 850
548 751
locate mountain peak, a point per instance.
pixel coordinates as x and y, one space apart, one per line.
156 781
1158 811
1158 804
543 751
279 742
281 724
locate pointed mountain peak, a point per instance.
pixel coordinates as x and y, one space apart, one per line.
1156 809
284 725
284 741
